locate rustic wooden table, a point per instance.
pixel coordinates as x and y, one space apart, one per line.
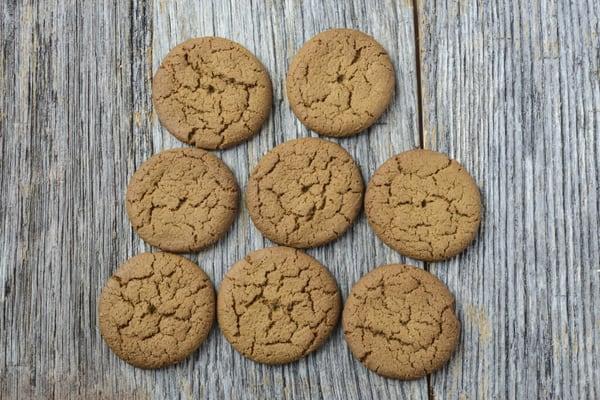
509 88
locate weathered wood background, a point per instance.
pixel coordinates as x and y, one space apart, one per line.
509 88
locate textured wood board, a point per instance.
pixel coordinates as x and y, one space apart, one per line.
78 123
512 90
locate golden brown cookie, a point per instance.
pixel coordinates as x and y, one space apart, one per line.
277 305
399 321
423 205
182 200
212 93
305 193
156 309
340 82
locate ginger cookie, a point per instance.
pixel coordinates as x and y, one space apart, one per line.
182 200
340 82
212 93
277 305
423 205
305 193
399 322
156 309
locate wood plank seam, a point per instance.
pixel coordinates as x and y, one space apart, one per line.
417 47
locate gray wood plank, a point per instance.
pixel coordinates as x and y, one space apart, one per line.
76 122
274 32
512 90
67 152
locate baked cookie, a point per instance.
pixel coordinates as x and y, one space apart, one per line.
277 305
156 309
305 193
212 93
399 321
340 82
423 205
182 200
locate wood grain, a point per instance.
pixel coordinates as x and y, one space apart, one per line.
512 90
76 120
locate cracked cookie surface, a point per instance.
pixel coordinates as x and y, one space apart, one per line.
156 309
423 205
182 200
277 305
305 193
212 93
399 322
340 82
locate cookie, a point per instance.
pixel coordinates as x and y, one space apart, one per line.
305 193
399 322
277 305
340 82
212 93
182 200
423 205
156 309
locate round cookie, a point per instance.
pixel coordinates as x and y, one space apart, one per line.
423 205
156 309
182 200
305 193
399 322
277 305
212 93
340 82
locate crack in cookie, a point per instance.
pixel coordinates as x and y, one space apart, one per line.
399 321
340 82
305 193
182 200
423 205
212 93
156 309
277 305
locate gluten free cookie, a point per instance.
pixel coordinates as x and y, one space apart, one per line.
399 322
212 93
423 205
156 309
340 82
277 305
305 193
182 200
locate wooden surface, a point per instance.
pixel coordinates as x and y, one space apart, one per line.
509 88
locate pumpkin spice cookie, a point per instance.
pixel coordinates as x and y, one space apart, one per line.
182 200
399 322
340 82
423 205
277 305
212 93
305 193
156 309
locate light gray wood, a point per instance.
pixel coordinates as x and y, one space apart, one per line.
274 32
512 90
76 120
